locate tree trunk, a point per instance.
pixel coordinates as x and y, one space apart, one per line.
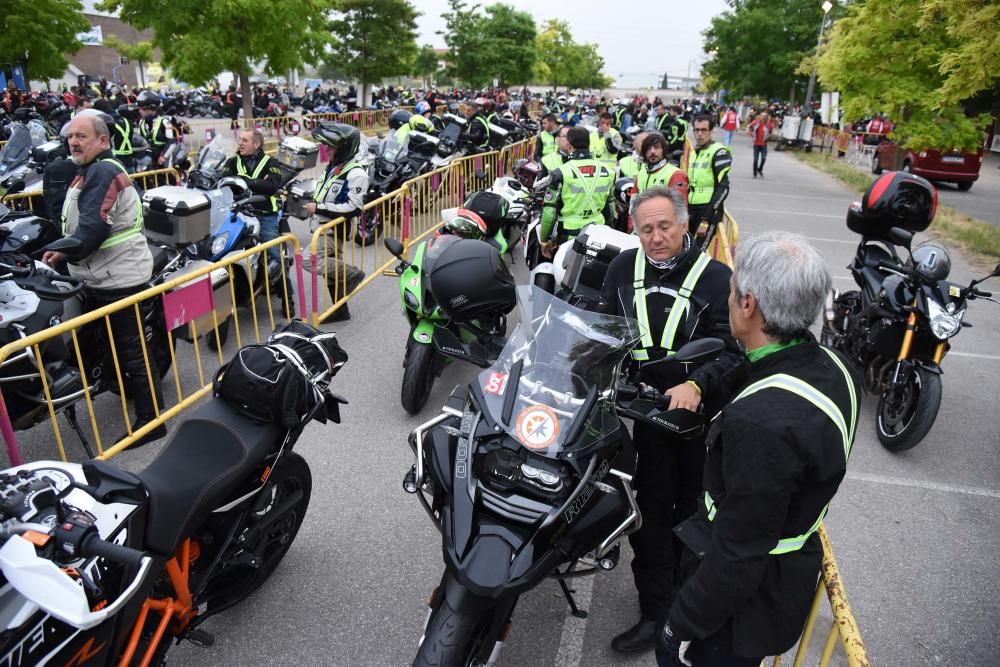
366 95
142 74
247 97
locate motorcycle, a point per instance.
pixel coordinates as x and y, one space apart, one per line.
34 298
105 567
23 159
895 328
516 472
456 295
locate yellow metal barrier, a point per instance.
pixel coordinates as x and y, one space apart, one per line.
24 201
428 194
247 282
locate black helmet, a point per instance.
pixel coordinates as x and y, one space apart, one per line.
900 199
931 261
148 100
399 118
344 139
526 172
489 206
624 189
129 111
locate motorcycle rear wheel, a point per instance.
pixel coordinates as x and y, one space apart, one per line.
902 426
418 376
234 583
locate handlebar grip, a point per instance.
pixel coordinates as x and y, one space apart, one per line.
116 553
979 292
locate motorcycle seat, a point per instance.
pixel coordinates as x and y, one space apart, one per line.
208 456
160 258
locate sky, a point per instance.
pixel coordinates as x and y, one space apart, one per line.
638 45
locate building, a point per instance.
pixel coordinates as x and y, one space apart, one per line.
98 60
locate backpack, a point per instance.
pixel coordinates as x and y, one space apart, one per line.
284 381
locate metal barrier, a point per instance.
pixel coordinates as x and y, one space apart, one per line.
24 201
190 300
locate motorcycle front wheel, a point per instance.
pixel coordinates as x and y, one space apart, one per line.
901 423
367 227
458 633
418 376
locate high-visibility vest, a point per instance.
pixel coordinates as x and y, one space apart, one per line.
548 142
846 426
629 166
619 115
124 129
583 197
552 161
486 127
320 194
241 171
701 176
677 310
115 237
151 131
645 180
599 146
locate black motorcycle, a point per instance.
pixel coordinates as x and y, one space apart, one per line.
895 328
516 472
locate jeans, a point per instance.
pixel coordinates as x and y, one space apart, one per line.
270 230
759 152
727 137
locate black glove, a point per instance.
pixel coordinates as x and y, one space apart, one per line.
670 651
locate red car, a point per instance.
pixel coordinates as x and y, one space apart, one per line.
951 166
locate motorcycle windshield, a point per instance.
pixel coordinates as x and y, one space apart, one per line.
559 366
17 148
214 155
393 149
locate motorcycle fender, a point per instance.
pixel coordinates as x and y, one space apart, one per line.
423 332
929 366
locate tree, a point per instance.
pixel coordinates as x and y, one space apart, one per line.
886 56
972 27
37 34
508 36
375 39
140 52
563 62
756 45
200 38
464 36
425 65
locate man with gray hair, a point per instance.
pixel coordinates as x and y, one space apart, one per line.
776 455
678 294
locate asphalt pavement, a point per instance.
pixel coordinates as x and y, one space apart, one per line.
916 534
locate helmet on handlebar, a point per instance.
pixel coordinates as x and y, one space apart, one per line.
526 171
399 118
900 199
148 100
237 184
931 261
343 139
467 224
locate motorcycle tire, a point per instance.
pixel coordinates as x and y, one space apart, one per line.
418 376
902 427
236 582
367 228
453 637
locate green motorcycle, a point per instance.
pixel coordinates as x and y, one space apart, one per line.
456 295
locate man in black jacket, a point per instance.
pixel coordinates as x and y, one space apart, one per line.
678 294
775 457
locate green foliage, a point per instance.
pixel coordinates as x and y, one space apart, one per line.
140 52
563 62
374 39
966 64
491 45
426 62
756 46
46 30
886 55
200 38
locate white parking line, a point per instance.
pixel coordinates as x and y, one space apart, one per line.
822 240
802 214
757 193
921 484
972 355
575 629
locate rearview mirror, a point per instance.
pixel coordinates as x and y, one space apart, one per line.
901 237
699 351
996 272
395 247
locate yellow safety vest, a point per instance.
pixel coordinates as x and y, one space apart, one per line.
241 171
701 176
846 427
320 194
583 199
645 180
677 311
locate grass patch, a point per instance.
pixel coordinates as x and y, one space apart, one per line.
979 239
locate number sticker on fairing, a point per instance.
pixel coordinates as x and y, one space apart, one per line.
495 383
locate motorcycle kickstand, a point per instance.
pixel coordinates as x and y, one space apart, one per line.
70 413
576 611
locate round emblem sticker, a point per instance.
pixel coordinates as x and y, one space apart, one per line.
537 426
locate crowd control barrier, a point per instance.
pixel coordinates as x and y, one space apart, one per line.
32 201
205 304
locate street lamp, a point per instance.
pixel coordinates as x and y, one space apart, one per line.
827 6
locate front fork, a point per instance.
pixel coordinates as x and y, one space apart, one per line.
904 364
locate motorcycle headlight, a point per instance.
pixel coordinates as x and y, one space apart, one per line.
219 243
944 325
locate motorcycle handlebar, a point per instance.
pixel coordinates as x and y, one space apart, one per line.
57 294
93 546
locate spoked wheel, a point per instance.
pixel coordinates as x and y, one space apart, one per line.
270 530
418 376
367 226
905 418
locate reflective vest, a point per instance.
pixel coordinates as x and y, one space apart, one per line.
661 121
548 142
320 194
645 180
701 176
629 166
678 131
583 197
486 127
619 115
124 129
845 425
116 237
680 307
552 161
241 171
599 146
151 132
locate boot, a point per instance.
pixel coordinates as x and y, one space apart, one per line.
154 435
640 637
144 412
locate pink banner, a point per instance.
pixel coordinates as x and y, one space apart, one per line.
187 303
